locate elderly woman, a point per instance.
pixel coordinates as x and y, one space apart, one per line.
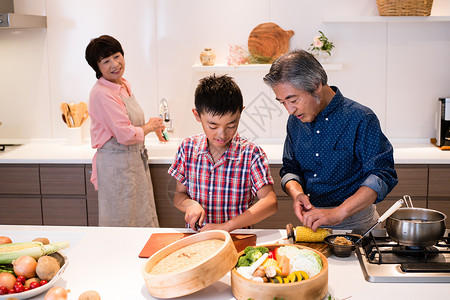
337 163
120 168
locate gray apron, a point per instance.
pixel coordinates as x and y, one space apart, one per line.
125 190
360 221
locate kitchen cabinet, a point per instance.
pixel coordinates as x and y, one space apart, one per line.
91 198
164 189
19 179
439 189
20 194
63 194
20 210
413 181
285 212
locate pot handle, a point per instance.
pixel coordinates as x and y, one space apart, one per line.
391 210
408 201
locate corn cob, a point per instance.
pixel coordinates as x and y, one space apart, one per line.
12 251
306 234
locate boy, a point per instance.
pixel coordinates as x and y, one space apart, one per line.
218 171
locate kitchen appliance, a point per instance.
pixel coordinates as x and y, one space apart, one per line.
11 20
443 123
384 260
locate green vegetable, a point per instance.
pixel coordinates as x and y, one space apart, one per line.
262 249
8 268
251 254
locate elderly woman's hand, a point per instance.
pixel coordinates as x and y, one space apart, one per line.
154 125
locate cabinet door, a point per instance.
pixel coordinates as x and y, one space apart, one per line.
284 216
164 189
412 180
20 210
64 210
442 205
439 183
92 198
19 179
62 179
285 212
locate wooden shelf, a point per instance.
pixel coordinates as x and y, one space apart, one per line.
251 67
389 19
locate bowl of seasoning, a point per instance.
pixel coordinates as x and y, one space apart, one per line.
342 244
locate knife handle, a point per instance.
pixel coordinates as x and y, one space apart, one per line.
290 231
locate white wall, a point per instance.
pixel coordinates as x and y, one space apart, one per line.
397 69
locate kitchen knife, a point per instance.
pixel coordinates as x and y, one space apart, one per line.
290 233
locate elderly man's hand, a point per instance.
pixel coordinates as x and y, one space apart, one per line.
322 216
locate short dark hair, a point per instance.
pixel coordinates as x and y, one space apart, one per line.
218 96
298 68
99 48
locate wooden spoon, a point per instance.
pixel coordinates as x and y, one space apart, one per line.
66 112
78 113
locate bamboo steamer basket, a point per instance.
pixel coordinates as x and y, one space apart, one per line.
196 277
313 288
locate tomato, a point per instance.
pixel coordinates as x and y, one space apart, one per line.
21 279
18 287
42 282
11 291
276 254
26 288
271 254
3 290
34 285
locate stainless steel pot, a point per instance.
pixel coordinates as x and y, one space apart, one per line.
416 227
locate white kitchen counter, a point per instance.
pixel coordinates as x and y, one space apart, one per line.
106 260
57 151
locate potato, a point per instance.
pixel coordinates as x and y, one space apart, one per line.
89 295
43 240
47 267
30 280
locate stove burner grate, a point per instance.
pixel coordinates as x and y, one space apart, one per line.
426 267
383 250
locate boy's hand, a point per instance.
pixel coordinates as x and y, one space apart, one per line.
212 226
194 214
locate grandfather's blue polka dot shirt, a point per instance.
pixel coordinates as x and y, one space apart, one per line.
341 150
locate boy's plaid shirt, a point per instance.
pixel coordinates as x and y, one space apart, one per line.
224 189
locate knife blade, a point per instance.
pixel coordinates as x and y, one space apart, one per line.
290 233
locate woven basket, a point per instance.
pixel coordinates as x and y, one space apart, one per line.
404 7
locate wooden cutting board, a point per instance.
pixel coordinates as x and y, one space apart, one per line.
269 40
325 249
158 241
322 247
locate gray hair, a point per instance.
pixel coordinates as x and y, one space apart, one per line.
298 68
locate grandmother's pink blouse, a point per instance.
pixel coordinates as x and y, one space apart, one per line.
109 118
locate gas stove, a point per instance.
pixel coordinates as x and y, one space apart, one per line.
384 260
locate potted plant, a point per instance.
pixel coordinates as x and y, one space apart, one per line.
321 47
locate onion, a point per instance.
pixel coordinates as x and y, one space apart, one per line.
7 280
5 240
56 293
25 265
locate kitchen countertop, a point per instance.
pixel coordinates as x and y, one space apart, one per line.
58 151
105 259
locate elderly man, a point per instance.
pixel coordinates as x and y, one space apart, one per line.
337 163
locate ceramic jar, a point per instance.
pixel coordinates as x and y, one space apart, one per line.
208 57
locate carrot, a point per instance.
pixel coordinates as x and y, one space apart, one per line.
284 265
